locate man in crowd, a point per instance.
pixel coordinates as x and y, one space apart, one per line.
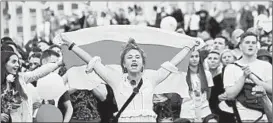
64 103
254 77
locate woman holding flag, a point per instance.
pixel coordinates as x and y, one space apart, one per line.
140 108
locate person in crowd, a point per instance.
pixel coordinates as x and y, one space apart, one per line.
246 18
229 22
121 18
132 64
58 49
196 108
64 103
235 39
43 45
14 93
33 50
192 23
214 63
265 41
34 63
220 43
226 57
6 39
264 55
178 15
249 73
208 23
269 49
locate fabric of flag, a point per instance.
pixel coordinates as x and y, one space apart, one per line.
107 43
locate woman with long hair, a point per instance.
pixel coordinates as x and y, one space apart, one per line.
196 107
15 100
133 60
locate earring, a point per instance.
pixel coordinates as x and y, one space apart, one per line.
125 70
142 69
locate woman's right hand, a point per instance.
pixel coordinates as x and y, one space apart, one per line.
4 117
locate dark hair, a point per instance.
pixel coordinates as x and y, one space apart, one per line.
36 49
8 42
48 53
201 73
214 52
35 55
268 48
53 46
223 37
5 56
5 39
244 35
7 48
131 45
264 35
43 41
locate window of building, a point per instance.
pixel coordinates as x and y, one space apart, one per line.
32 11
19 10
19 29
33 28
60 7
6 31
74 6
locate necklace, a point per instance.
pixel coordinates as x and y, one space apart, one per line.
133 82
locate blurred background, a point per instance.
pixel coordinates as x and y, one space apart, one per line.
24 21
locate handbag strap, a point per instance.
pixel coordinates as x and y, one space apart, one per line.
251 73
135 91
236 112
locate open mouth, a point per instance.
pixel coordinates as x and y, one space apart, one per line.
250 49
15 69
134 65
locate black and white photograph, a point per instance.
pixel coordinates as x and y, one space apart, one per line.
136 61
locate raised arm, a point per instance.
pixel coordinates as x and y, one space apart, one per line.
40 72
168 67
93 62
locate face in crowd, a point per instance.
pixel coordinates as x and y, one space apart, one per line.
12 65
213 60
227 58
34 62
133 61
249 45
194 59
219 44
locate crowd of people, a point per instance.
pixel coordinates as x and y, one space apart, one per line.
229 80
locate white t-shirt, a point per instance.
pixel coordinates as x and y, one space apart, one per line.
233 73
194 22
191 104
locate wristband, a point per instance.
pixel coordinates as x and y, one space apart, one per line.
71 46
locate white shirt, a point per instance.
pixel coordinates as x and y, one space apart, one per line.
233 73
190 106
194 22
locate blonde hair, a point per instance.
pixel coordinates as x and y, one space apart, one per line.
226 51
